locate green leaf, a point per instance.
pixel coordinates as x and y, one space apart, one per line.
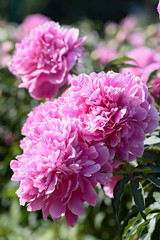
152 155
154 207
156 196
136 190
154 167
119 63
134 226
152 140
153 75
151 88
137 224
151 178
156 231
118 66
118 191
121 60
148 230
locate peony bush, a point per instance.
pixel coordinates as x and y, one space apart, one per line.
95 130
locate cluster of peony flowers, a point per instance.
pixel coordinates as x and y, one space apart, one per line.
71 144
114 108
44 58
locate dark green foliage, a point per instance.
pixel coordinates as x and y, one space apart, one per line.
118 191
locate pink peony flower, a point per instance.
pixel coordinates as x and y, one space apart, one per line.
58 170
7 46
30 22
122 35
136 39
129 23
44 58
143 56
155 82
5 59
156 91
115 108
105 54
44 112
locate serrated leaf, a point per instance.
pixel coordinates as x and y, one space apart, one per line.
136 190
118 191
153 75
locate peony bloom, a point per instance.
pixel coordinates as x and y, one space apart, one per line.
44 58
58 170
30 22
5 59
115 108
44 112
105 54
129 23
7 47
136 39
143 56
154 82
